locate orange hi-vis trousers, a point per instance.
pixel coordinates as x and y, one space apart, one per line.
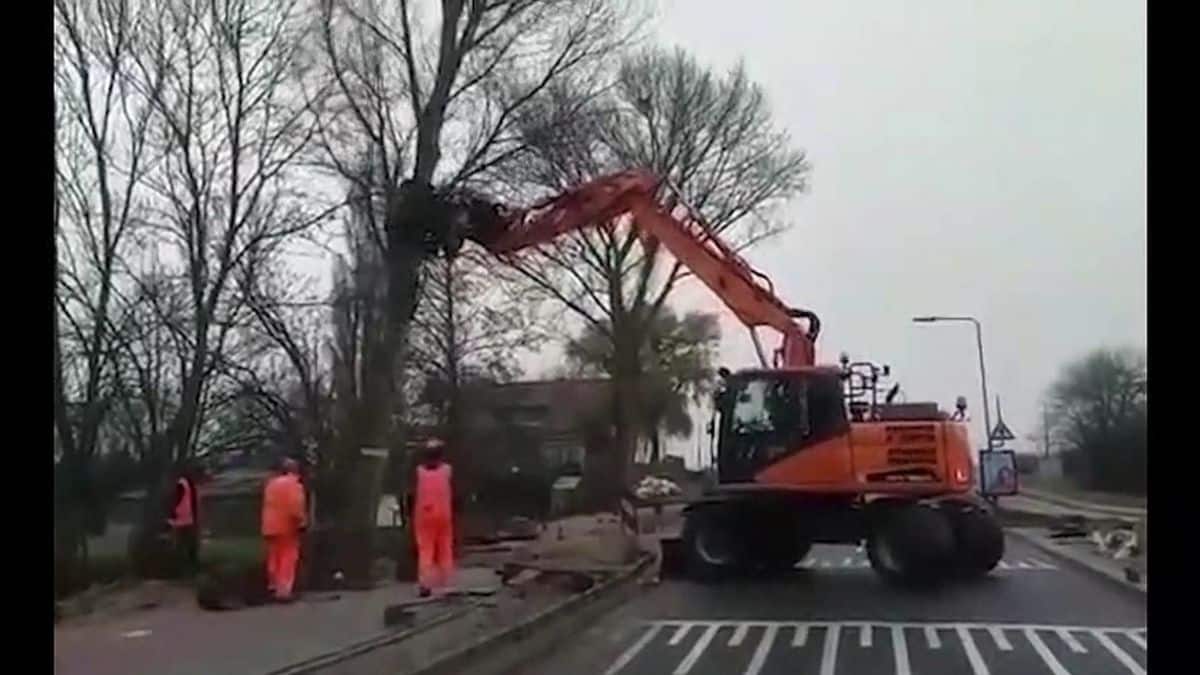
283 553
435 551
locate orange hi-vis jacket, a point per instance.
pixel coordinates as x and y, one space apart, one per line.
433 498
183 515
284 512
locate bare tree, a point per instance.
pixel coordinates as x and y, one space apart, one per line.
229 130
421 97
470 327
711 136
101 160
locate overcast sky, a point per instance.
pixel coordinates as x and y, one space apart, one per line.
982 158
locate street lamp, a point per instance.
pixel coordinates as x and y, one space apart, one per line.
987 419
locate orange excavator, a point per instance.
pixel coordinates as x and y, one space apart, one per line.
805 453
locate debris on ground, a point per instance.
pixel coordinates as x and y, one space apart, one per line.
1117 543
653 487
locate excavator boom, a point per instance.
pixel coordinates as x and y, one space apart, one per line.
661 216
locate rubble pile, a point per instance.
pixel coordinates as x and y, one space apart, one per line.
652 487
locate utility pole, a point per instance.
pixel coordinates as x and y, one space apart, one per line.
1046 430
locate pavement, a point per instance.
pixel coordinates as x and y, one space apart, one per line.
1034 614
181 639
172 636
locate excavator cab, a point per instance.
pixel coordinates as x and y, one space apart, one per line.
764 415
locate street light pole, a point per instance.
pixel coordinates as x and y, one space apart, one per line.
987 417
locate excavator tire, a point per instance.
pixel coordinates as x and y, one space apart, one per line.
910 544
714 551
978 543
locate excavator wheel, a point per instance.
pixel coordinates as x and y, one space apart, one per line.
714 550
978 542
910 544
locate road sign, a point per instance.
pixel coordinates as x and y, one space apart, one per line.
1001 432
998 473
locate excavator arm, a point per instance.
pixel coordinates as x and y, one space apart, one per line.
659 213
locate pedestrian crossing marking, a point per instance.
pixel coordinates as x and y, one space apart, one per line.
1002 642
801 636
1043 651
973 655
829 654
1071 641
760 653
852 562
1120 654
931 637
1034 637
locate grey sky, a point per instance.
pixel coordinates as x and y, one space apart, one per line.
984 158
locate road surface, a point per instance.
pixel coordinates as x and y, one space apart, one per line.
1033 615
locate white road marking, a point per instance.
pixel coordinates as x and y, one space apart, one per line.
697 650
1065 636
1001 641
1024 565
760 653
739 635
1043 651
864 563
140 633
808 563
917 625
977 664
1125 659
1003 564
900 651
629 654
680 633
931 637
826 564
1042 564
829 653
833 629
847 561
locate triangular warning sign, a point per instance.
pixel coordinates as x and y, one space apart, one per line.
1002 433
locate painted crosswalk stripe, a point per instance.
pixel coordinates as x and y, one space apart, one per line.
801 636
1002 642
977 664
1043 651
1136 638
739 635
1042 564
628 655
1118 653
808 563
680 633
697 650
931 638
1024 565
760 652
864 635
900 651
1065 636
829 653
1003 564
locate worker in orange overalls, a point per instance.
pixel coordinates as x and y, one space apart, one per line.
433 520
185 517
284 519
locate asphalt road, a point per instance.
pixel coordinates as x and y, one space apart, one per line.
1033 615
